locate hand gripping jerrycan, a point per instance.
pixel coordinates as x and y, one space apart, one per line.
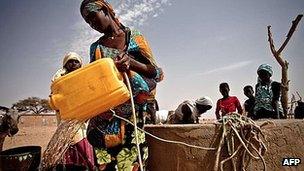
89 91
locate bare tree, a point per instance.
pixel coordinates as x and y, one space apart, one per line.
282 62
35 105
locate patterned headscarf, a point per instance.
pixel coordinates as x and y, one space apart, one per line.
266 67
88 6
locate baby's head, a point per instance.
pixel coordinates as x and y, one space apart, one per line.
72 61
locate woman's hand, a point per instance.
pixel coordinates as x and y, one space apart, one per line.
122 62
125 62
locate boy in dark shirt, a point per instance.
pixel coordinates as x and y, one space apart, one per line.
249 103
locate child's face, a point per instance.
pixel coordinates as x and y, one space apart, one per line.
224 91
248 92
72 65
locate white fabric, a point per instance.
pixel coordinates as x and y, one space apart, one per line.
161 116
71 55
178 112
81 134
206 101
59 73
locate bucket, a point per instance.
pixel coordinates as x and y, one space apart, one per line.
89 91
20 158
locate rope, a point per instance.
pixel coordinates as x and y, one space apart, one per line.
135 121
226 122
164 140
234 126
153 136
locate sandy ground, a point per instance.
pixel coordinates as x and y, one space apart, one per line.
34 135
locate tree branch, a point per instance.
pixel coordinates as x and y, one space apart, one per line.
41 110
272 48
283 63
32 109
291 31
270 40
36 109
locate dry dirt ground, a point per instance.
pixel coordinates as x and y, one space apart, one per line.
33 130
36 135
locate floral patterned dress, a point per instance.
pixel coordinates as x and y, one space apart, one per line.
113 139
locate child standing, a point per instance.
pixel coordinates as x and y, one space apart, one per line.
227 104
249 103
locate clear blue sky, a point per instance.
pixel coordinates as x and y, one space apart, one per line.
199 44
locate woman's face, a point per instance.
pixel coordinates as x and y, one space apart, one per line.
72 65
99 21
264 76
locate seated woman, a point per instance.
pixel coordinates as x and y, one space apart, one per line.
267 95
80 152
227 104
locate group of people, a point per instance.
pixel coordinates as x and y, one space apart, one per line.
106 142
264 103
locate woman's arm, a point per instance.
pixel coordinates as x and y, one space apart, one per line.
144 61
126 62
147 70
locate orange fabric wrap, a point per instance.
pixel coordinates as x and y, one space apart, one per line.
114 140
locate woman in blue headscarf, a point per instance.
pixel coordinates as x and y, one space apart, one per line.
267 95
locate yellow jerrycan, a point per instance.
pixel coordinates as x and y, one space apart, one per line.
89 91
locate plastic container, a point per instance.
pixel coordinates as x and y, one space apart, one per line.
20 158
89 91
